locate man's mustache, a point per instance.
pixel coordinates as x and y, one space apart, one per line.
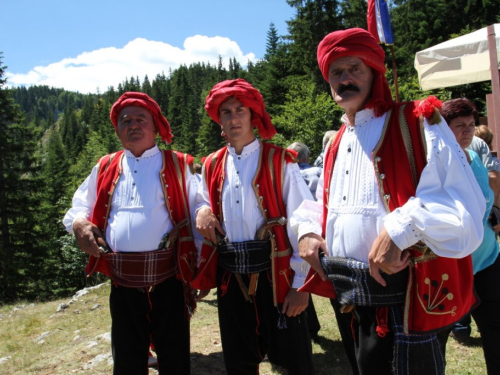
349 87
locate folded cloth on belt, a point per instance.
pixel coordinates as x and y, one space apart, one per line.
141 269
354 285
245 257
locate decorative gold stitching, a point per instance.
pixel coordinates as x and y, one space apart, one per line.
375 163
405 133
432 299
282 253
284 273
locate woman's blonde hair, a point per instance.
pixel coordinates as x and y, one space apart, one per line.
484 132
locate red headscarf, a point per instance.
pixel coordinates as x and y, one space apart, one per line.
360 43
249 96
140 99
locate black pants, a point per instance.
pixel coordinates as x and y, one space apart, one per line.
249 331
486 315
312 319
368 353
138 317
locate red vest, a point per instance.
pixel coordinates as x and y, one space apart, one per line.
440 291
172 177
268 186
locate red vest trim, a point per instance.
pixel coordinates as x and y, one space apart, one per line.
440 291
172 177
268 186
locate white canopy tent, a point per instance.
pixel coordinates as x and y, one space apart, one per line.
458 61
467 59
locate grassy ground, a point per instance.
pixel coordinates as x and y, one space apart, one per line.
35 339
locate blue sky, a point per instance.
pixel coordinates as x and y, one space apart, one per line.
85 45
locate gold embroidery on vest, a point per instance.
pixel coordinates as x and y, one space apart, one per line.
377 160
405 133
112 191
436 298
285 274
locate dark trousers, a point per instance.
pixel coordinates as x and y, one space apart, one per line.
249 331
486 315
312 319
139 317
368 353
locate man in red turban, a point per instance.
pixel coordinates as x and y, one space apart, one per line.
393 184
139 99
246 187
121 215
249 96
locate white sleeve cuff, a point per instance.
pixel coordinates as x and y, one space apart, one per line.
298 281
401 229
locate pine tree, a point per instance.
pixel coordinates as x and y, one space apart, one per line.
18 186
314 19
272 42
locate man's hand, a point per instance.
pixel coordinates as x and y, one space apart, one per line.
310 245
86 234
387 257
200 294
207 223
295 302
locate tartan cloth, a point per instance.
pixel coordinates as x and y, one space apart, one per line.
142 269
245 257
354 285
414 354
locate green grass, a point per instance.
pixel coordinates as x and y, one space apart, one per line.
73 340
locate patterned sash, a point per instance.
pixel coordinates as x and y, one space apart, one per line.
354 285
245 257
142 269
413 353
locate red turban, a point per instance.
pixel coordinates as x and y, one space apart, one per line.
139 99
249 96
360 43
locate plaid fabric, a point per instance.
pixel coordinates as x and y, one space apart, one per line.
143 269
354 285
245 257
414 354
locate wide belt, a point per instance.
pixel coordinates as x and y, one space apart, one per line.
248 257
245 257
141 269
355 286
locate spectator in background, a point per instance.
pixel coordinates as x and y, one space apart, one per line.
330 134
311 176
460 116
197 170
309 173
482 145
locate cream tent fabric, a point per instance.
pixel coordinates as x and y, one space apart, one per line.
457 61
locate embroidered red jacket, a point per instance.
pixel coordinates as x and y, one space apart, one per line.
267 185
440 291
172 177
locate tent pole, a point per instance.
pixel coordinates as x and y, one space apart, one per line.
395 73
494 108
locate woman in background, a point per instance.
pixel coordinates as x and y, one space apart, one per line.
460 114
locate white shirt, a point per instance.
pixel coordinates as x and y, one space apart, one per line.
241 213
138 217
446 212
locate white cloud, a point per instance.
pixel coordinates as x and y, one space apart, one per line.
107 67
